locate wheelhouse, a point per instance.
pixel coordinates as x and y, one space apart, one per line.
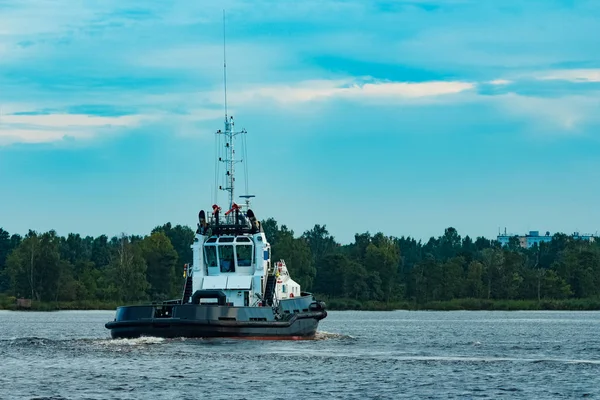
229 254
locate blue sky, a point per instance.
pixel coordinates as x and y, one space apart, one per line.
404 117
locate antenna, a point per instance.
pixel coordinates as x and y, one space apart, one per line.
224 66
229 152
229 134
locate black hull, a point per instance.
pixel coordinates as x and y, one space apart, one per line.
298 328
293 319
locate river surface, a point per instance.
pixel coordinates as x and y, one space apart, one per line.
356 355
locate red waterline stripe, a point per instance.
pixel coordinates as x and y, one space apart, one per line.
271 337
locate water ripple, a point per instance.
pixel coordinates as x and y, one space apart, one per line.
355 355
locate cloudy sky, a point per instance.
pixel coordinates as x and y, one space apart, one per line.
404 117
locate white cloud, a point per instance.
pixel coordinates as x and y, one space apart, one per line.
572 75
55 127
70 120
289 55
350 89
16 135
182 111
498 82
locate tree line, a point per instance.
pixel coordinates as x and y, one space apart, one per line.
375 267
129 268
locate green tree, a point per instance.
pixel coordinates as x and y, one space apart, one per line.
383 256
160 258
554 287
358 249
5 247
492 261
35 267
579 266
320 243
297 256
74 248
474 282
359 288
332 277
452 281
509 276
101 251
7 244
426 280
124 278
482 243
450 244
271 229
181 238
80 276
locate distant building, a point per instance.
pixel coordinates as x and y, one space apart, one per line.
534 237
23 303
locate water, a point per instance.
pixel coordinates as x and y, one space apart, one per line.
357 355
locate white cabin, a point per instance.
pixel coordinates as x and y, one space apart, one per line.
286 287
239 265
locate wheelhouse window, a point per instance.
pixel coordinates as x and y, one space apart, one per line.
226 258
211 255
244 255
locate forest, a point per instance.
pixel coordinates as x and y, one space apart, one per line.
374 272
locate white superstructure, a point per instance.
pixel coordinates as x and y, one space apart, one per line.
235 264
231 253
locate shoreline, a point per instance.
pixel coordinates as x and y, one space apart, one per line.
468 304
591 304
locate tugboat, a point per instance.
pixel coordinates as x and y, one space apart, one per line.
232 288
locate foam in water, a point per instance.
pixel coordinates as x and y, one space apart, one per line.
322 335
133 342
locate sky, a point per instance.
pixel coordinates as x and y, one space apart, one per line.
401 117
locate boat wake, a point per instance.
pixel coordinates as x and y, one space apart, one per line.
33 342
468 359
145 341
141 341
322 335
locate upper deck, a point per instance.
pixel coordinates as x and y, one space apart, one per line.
234 222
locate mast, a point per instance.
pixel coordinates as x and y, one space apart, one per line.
229 133
224 70
229 160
